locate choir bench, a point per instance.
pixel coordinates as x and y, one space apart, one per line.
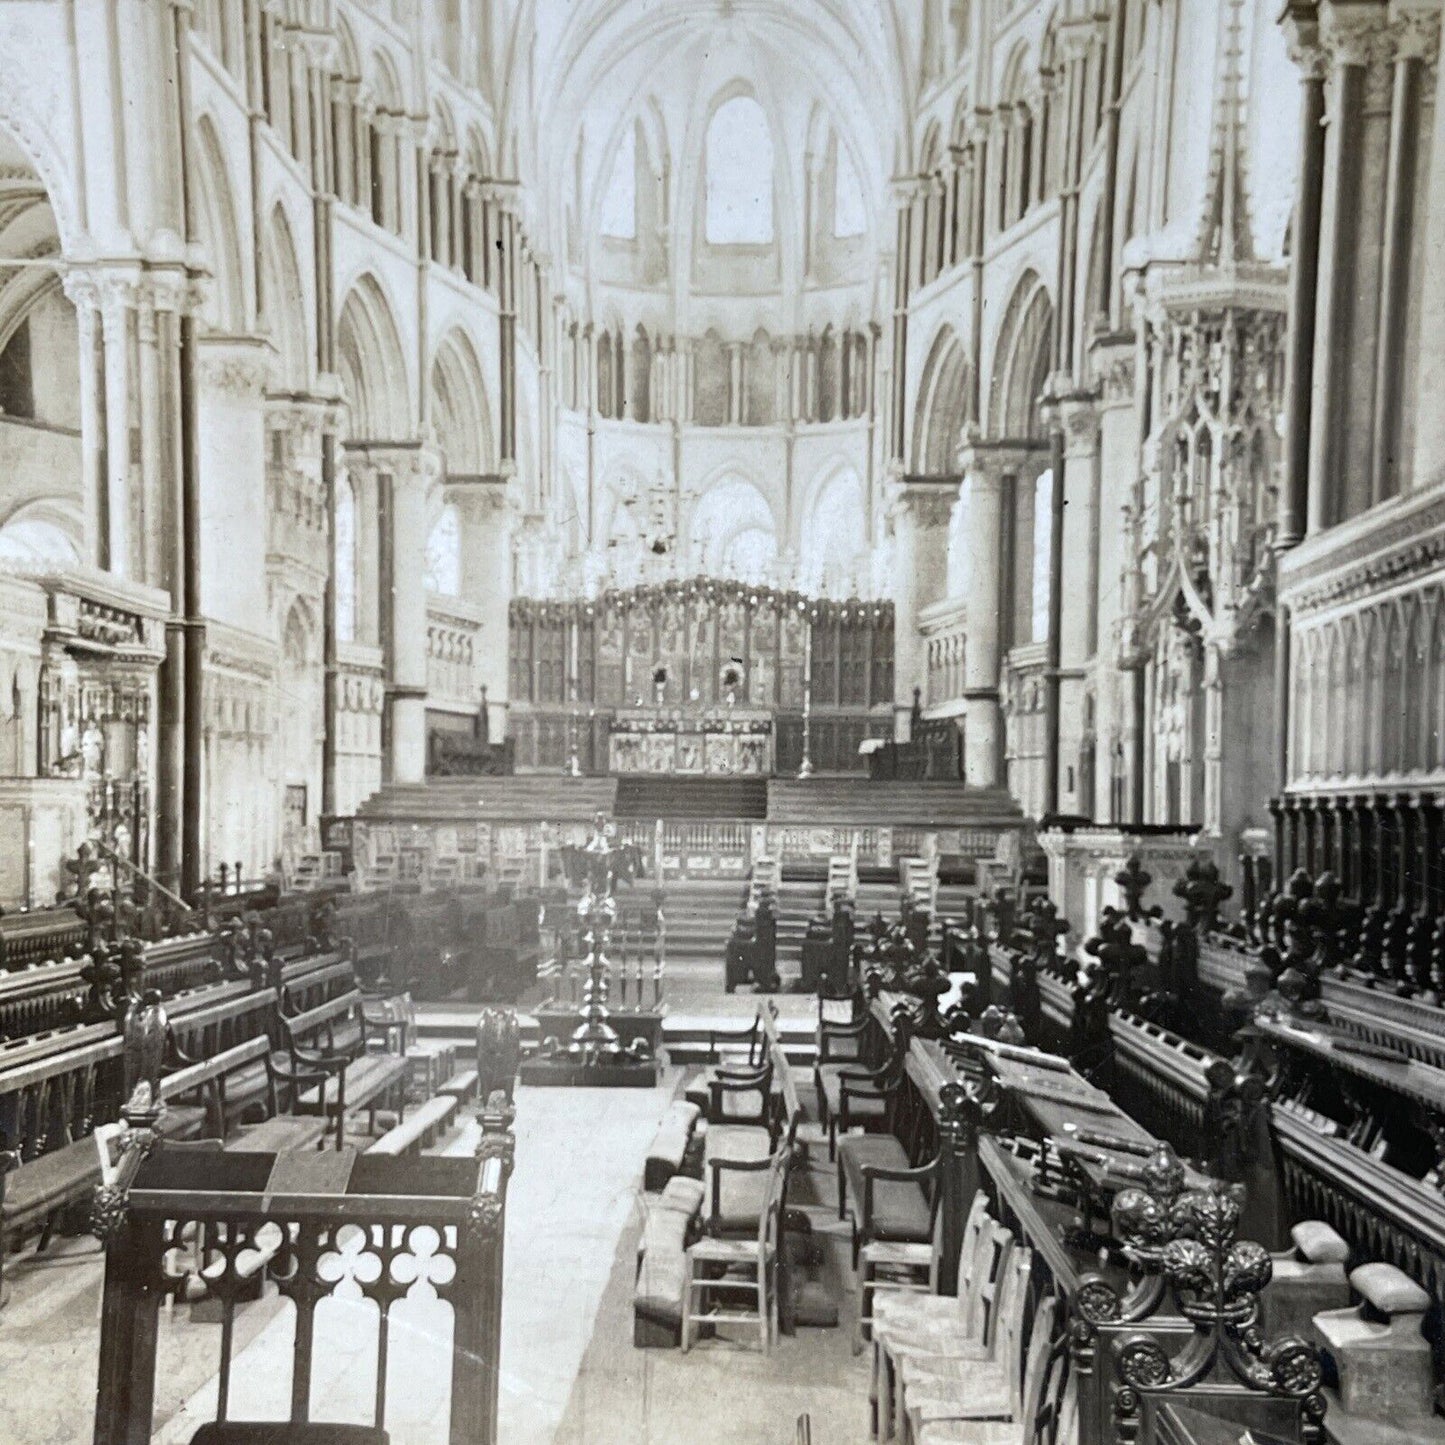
55 1089
419 1129
324 1068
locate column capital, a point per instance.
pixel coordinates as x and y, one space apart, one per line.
990 464
1415 31
1078 415
1353 33
236 366
907 189
405 461
927 503
1112 363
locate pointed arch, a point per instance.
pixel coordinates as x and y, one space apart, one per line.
942 408
373 365
1022 358
460 413
224 307
285 302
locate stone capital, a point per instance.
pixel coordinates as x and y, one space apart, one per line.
1415 31
907 189
1112 364
1078 415
1354 34
924 503
405 462
236 366
987 464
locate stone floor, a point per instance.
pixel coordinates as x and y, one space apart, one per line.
570 1374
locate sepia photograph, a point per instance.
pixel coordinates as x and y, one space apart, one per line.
722 722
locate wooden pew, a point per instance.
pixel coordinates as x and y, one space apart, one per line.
40 934
55 1089
323 1067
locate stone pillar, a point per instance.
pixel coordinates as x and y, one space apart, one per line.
407 689
1347 36
1078 562
918 515
118 293
987 474
1417 43
486 527
1429 456
392 486
1304 279
81 290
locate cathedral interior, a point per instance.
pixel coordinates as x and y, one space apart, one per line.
657 706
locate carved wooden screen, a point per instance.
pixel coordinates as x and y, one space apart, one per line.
763 673
882 668
520 653
854 646
611 638
825 657
586 656
550 660
791 644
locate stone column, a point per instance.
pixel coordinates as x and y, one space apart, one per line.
413 474
1429 455
81 290
918 516
1304 279
486 526
117 300
1078 562
1347 38
988 471
1417 41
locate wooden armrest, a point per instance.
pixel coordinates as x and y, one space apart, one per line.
914 1173
333 1063
741 1166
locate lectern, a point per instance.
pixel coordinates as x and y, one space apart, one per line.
311 1220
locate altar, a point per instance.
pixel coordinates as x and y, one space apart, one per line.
700 742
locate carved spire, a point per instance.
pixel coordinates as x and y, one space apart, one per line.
1226 236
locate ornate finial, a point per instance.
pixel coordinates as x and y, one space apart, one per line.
1133 880
1202 892
1217 1279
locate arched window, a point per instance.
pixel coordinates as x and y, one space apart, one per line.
619 205
444 554
345 560
850 216
1043 549
751 554
739 161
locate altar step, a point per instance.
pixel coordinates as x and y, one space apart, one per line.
702 798
532 796
820 802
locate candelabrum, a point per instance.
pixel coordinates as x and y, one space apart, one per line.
598 865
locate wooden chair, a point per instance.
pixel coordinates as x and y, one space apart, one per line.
929 1323
744 1266
1041 1402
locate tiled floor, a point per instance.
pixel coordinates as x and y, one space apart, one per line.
569 1371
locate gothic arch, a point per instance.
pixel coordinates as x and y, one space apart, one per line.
1022 361
285 302
460 414
372 365
224 308
942 406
